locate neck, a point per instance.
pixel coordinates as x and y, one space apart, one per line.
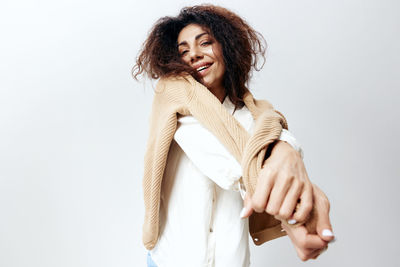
219 93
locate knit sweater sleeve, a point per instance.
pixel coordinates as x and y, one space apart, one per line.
169 99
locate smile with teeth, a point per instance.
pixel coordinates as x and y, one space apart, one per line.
203 67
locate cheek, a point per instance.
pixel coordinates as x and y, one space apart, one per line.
219 58
217 50
221 67
186 59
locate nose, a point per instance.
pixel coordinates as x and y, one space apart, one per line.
195 54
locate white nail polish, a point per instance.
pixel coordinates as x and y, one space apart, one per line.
242 212
291 221
327 232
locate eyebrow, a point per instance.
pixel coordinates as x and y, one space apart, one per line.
196 38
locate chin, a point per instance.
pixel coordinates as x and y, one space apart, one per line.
208 84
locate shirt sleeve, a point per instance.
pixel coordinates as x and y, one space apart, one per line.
289 138
207 153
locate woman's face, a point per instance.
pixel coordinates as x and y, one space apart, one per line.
202 52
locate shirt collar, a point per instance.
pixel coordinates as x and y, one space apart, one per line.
228 104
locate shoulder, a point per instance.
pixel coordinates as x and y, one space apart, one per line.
171 92
174 84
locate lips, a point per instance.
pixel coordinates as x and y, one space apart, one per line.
201 68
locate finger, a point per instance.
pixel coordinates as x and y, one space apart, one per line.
301 238
289 203
278 194
324 227
263 189
318 252
247 207
314 242
315 254
302 252
305 206
306 254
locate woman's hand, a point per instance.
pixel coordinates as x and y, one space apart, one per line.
282 182
312 238
308 246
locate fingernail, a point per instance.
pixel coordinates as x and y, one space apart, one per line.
243 212
291 221
327 232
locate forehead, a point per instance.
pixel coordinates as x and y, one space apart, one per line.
189 32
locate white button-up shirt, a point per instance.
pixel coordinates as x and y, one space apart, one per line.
200 222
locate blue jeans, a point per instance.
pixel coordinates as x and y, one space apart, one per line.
150 262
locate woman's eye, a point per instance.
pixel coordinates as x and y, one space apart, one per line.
205 43
183 52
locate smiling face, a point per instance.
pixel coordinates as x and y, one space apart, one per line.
202 52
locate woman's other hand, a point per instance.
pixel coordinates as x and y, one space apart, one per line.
308 246
282 182
311 239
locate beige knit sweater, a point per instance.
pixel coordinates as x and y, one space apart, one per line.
186 96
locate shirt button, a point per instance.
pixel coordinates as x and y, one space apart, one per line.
211 230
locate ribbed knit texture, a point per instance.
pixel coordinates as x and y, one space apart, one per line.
186 96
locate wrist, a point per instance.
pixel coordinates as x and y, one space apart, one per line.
280 144
289 138
277 148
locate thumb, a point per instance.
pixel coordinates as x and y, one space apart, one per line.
324 230
324 227
323 224
247 209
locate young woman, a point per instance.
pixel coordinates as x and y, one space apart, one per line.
198 211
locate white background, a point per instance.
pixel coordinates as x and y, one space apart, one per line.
73 124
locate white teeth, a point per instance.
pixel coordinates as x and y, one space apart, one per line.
202 68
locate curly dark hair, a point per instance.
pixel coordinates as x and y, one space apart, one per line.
241 47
